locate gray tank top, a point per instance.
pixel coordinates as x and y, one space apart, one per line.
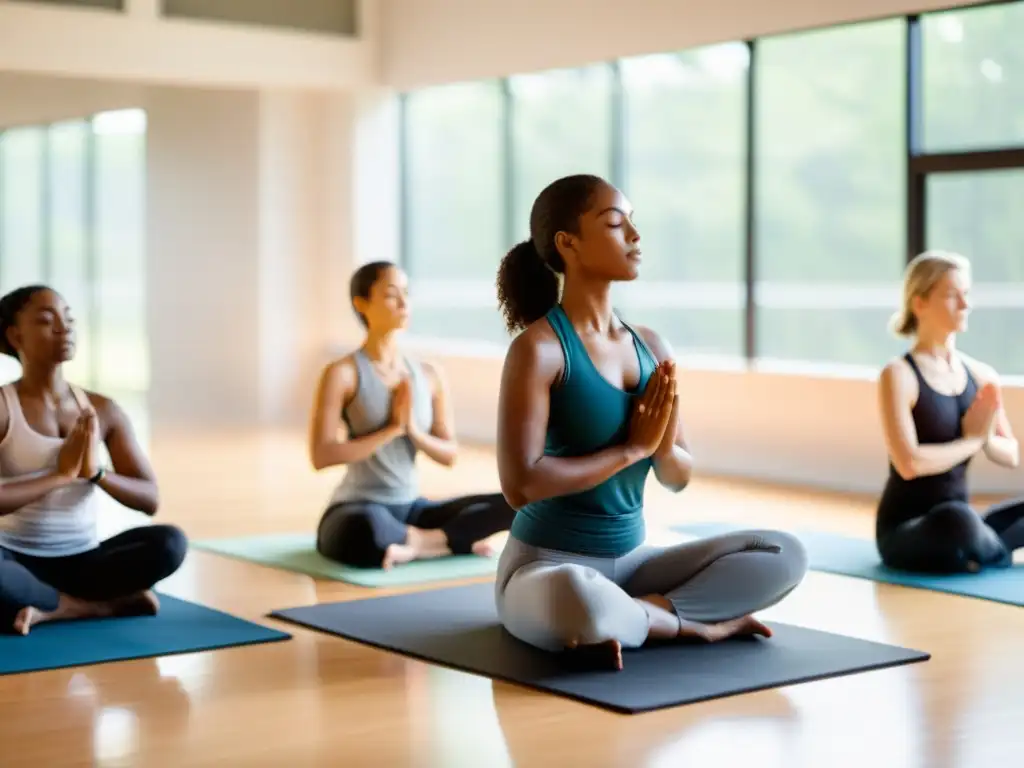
389 475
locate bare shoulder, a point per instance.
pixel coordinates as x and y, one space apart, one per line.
659 346
898 377
536 350
340 372
984 372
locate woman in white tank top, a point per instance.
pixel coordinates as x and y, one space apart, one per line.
391 408
52 564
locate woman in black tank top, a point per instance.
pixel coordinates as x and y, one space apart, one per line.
939 409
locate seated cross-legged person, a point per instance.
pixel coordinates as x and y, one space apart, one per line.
940 409
52 564
587 410
376 409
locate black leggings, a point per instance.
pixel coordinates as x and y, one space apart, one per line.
359 532
953 538
130 562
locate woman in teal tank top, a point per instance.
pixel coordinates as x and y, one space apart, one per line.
587 410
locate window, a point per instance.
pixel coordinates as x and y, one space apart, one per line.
455 216
976 214
685 174
830 192
69 234
561 125
120 186
21 237
973 79
72 215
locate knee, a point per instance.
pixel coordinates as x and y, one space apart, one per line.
577 606
349 539
790 563
170 546
957 518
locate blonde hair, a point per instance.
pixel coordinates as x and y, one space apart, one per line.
921 275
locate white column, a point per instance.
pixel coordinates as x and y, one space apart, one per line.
260 205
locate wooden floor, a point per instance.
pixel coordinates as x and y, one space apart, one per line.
323 701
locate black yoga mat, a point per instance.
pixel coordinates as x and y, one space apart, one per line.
458 628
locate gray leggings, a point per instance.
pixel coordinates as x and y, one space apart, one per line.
547 598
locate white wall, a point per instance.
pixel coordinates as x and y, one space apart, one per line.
141 46
436 41
34 99
252 235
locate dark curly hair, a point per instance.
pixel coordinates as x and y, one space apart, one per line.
363 280
528 285
10 307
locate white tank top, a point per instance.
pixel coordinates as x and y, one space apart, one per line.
63 522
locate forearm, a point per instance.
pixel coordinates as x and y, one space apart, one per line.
440 449
133 492
15 494
553 476
331 454
1004 451
936 459
673 467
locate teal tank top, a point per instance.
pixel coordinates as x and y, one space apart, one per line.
588 414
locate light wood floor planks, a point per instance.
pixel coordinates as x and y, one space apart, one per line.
322 701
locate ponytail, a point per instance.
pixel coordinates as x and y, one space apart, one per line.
527 287
528 282
903 323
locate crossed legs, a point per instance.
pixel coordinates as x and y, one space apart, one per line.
372 535
706 589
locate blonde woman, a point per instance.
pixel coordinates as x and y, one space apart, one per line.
939 409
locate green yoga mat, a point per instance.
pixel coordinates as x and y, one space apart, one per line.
297 552
179 627
858 558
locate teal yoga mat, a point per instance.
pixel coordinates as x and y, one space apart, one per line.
846 556
180 627
297 552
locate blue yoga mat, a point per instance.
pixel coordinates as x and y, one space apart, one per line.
846 556
180 627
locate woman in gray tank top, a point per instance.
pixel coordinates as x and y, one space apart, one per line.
375 410
52 564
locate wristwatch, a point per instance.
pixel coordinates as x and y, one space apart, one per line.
98 476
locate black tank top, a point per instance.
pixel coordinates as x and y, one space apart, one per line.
937 419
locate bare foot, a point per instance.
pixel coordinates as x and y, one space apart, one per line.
140 604
606 654
396 554
743 626
24 620
490 546
420 544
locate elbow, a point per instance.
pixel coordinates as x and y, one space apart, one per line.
512 490
150 503
318 458
906 468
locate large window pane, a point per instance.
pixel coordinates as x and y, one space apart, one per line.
685 161
830 216
21 215
561 125
977 214
455 184
68 230
120 141
973 78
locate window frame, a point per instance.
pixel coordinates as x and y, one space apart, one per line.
919 165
